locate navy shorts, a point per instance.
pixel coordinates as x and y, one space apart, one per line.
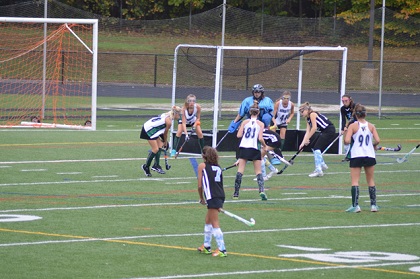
249 154
215 203
362 162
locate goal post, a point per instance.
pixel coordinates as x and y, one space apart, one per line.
220 89
48 72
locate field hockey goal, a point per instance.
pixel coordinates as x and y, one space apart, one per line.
48 72
222 76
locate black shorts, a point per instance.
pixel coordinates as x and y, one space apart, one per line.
324 138
144 135
249 154
282 126
362 162
215 203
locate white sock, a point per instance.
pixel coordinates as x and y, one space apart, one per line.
207 234
218 235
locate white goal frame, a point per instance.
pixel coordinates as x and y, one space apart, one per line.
219 70
93 51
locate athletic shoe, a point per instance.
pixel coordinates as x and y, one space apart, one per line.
263 196
173 153
205 250
158 169
354 209
264 177
324 167
235 195
316 174
374 208
275 161
219 253
271 173
146 170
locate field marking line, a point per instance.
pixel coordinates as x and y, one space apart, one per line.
275 271
66 143
168 179
190 203
193 249
85 239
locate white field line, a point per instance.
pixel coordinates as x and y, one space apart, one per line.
249 272
192 202
169 179
200 234
142 159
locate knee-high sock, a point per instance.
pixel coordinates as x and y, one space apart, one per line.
150 158
269 165
238 181
355 195
372 195
218 235
201 143
318 160
260 181
176 141
282 143
207 235
264 173
157 157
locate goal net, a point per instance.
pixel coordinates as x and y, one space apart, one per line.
220 90
48 71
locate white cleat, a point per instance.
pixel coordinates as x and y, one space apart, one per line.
316 174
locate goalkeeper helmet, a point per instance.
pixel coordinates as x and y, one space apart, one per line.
258 88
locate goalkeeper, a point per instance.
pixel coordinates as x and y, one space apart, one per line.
265 105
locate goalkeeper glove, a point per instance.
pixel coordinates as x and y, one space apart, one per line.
234 126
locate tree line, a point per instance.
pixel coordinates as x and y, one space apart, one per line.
167 9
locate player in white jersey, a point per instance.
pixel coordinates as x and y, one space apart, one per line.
211 192
250 132
360 136
284 110
191 113
155 131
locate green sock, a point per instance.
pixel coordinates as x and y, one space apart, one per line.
150 158
176 141
201 143
282 143
157 157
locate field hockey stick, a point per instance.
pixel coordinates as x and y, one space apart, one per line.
290 161
328 147
234 165
250 223
185 141
220 141
168 167
272 153
383 148
405 158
